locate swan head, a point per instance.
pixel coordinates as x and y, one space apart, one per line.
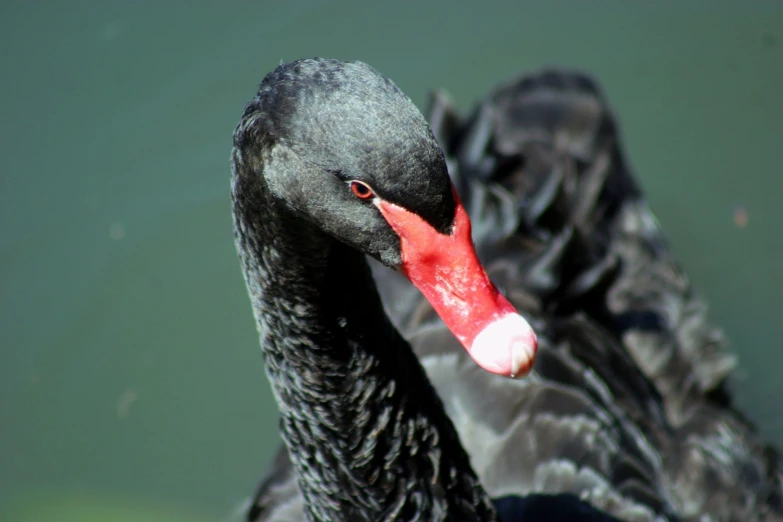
341 147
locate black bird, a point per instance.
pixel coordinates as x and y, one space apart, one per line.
331 161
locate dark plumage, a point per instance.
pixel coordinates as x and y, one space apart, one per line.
578 236
626 407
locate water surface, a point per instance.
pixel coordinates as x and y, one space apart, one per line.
130 374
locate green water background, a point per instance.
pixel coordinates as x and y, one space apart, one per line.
131 383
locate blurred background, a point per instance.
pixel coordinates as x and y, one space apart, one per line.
131 381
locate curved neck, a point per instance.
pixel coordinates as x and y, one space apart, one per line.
367 434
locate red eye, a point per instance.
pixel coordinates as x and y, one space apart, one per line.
360 190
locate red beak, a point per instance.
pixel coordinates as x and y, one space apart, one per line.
446 269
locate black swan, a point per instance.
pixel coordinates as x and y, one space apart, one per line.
559 218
